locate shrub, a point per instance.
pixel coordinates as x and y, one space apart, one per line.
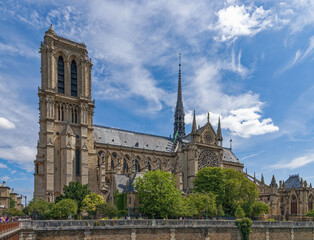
63 209
239 213
310 213
245 226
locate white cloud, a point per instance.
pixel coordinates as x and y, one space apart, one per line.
3 165
6 124
22 155
235 21
294 163
4 178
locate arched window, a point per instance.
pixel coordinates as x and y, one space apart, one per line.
77 162
125 167
137 166
60 75
294 206
73 79
149 167
114 156
310 202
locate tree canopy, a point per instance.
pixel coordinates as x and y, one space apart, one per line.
75 191
63 209
231 188
92 203
157 193
38 208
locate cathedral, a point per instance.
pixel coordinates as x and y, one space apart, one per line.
71 148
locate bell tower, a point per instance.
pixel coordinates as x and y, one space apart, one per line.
66 116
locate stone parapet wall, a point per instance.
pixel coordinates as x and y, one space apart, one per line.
162 229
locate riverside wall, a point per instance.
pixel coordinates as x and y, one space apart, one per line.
161 230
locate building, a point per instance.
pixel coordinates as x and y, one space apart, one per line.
71 148
6 195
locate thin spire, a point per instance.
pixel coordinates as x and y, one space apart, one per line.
194 124
208 117
219 135
262 179
179 124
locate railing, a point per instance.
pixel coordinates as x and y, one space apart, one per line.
5 227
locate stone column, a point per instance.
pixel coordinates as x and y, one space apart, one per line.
172 234
292 234
133 234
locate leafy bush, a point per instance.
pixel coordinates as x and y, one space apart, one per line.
109 210
245 226
38 208
310 213
92 203
239 213
271 220
63 209
13 212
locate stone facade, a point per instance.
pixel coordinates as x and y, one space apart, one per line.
71 148
162 229
291 200
6 194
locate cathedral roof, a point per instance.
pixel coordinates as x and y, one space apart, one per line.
119 137
228 155
293 181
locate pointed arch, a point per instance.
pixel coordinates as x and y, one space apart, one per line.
60 75
77 162
149 167
73 79
137 165
294 205
310 202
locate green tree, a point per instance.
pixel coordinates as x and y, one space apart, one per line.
12 203
230 187
259 208
75 191
211 180
239 213
13 212
108 210
39 208
245 226
204 204
310 213
63 209
157 194
92 203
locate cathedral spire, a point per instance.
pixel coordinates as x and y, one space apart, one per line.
273 181
179 125
194 124
219 135
262 179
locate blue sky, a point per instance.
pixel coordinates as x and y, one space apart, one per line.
250 62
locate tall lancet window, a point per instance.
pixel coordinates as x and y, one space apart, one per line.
60 75
77 162
73 79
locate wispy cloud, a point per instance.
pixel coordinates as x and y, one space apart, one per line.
294 163
300 56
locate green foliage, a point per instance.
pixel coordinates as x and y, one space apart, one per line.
75 191
245 226
110 210
92 203
12 203
220 211
13 212
63 209
239 213
231 189
310 213
259 208
157 193
39 207
120 201
211 180
271 220
204 204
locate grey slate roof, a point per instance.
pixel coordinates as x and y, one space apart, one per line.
119 137
121 182
228 155
293 181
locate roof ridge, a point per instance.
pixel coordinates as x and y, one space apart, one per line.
119 129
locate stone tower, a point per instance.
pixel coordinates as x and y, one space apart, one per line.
179 124
66 142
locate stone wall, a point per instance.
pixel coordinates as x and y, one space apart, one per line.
162 230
